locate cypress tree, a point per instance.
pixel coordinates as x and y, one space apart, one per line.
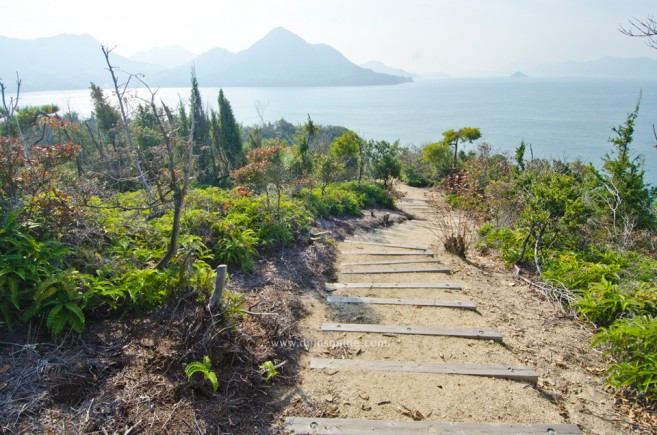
230 139
206 162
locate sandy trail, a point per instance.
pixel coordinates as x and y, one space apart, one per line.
570 387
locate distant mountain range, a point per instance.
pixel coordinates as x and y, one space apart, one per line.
604 67
60 62
168 57
380 67
281 58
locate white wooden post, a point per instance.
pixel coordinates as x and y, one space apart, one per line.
217 294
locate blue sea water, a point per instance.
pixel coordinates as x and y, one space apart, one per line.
566 118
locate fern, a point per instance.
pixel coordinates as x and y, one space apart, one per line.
633 344
205 368
269 369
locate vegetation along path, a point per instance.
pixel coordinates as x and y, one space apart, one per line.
409 342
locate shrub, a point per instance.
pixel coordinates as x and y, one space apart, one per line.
335 201
25 263
632 343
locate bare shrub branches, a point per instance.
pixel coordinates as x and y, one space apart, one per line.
642 29
453 228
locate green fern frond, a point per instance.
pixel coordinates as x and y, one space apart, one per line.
212 377
73 308
194 367
55 321
205 368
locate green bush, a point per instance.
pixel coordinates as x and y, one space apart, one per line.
576 272
504 239
236 226
25 264
633 345
603 303
334 202
346 197
374 194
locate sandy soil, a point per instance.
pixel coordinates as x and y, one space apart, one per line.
536 333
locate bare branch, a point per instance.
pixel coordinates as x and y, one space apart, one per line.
642 29
126 126
12 106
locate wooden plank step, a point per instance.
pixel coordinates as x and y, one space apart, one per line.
388 245
480 334
382 262
443 269
332 286
466 305
385 233
413 199
415 227
519 373
312 425
390 253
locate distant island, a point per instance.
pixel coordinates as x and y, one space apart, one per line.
518 75
280 58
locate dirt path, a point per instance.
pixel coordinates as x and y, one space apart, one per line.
570 385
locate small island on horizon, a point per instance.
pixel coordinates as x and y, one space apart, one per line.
519 75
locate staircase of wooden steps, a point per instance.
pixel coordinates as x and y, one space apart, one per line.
391 259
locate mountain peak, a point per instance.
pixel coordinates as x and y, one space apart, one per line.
281 32
280 58
279 36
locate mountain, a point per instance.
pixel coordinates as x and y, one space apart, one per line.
61 62
518 75
280 58
380 67
170 56
604 67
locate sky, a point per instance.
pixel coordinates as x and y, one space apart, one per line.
468 37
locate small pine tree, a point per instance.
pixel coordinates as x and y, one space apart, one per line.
623 174
230 138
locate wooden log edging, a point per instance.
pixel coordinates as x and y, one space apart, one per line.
332 286
388 253
517 373
346 426
473 333
443 269
465 305
382 262
389 245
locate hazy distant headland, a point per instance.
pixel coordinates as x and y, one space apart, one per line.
280 58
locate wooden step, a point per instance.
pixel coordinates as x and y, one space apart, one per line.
389 245
333 286
388 233
466 305
382 262
390 253
415 225
345 426
519 373
413 199
442 269
475 333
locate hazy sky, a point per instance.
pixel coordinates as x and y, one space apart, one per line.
454 36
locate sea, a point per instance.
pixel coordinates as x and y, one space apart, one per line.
562 118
